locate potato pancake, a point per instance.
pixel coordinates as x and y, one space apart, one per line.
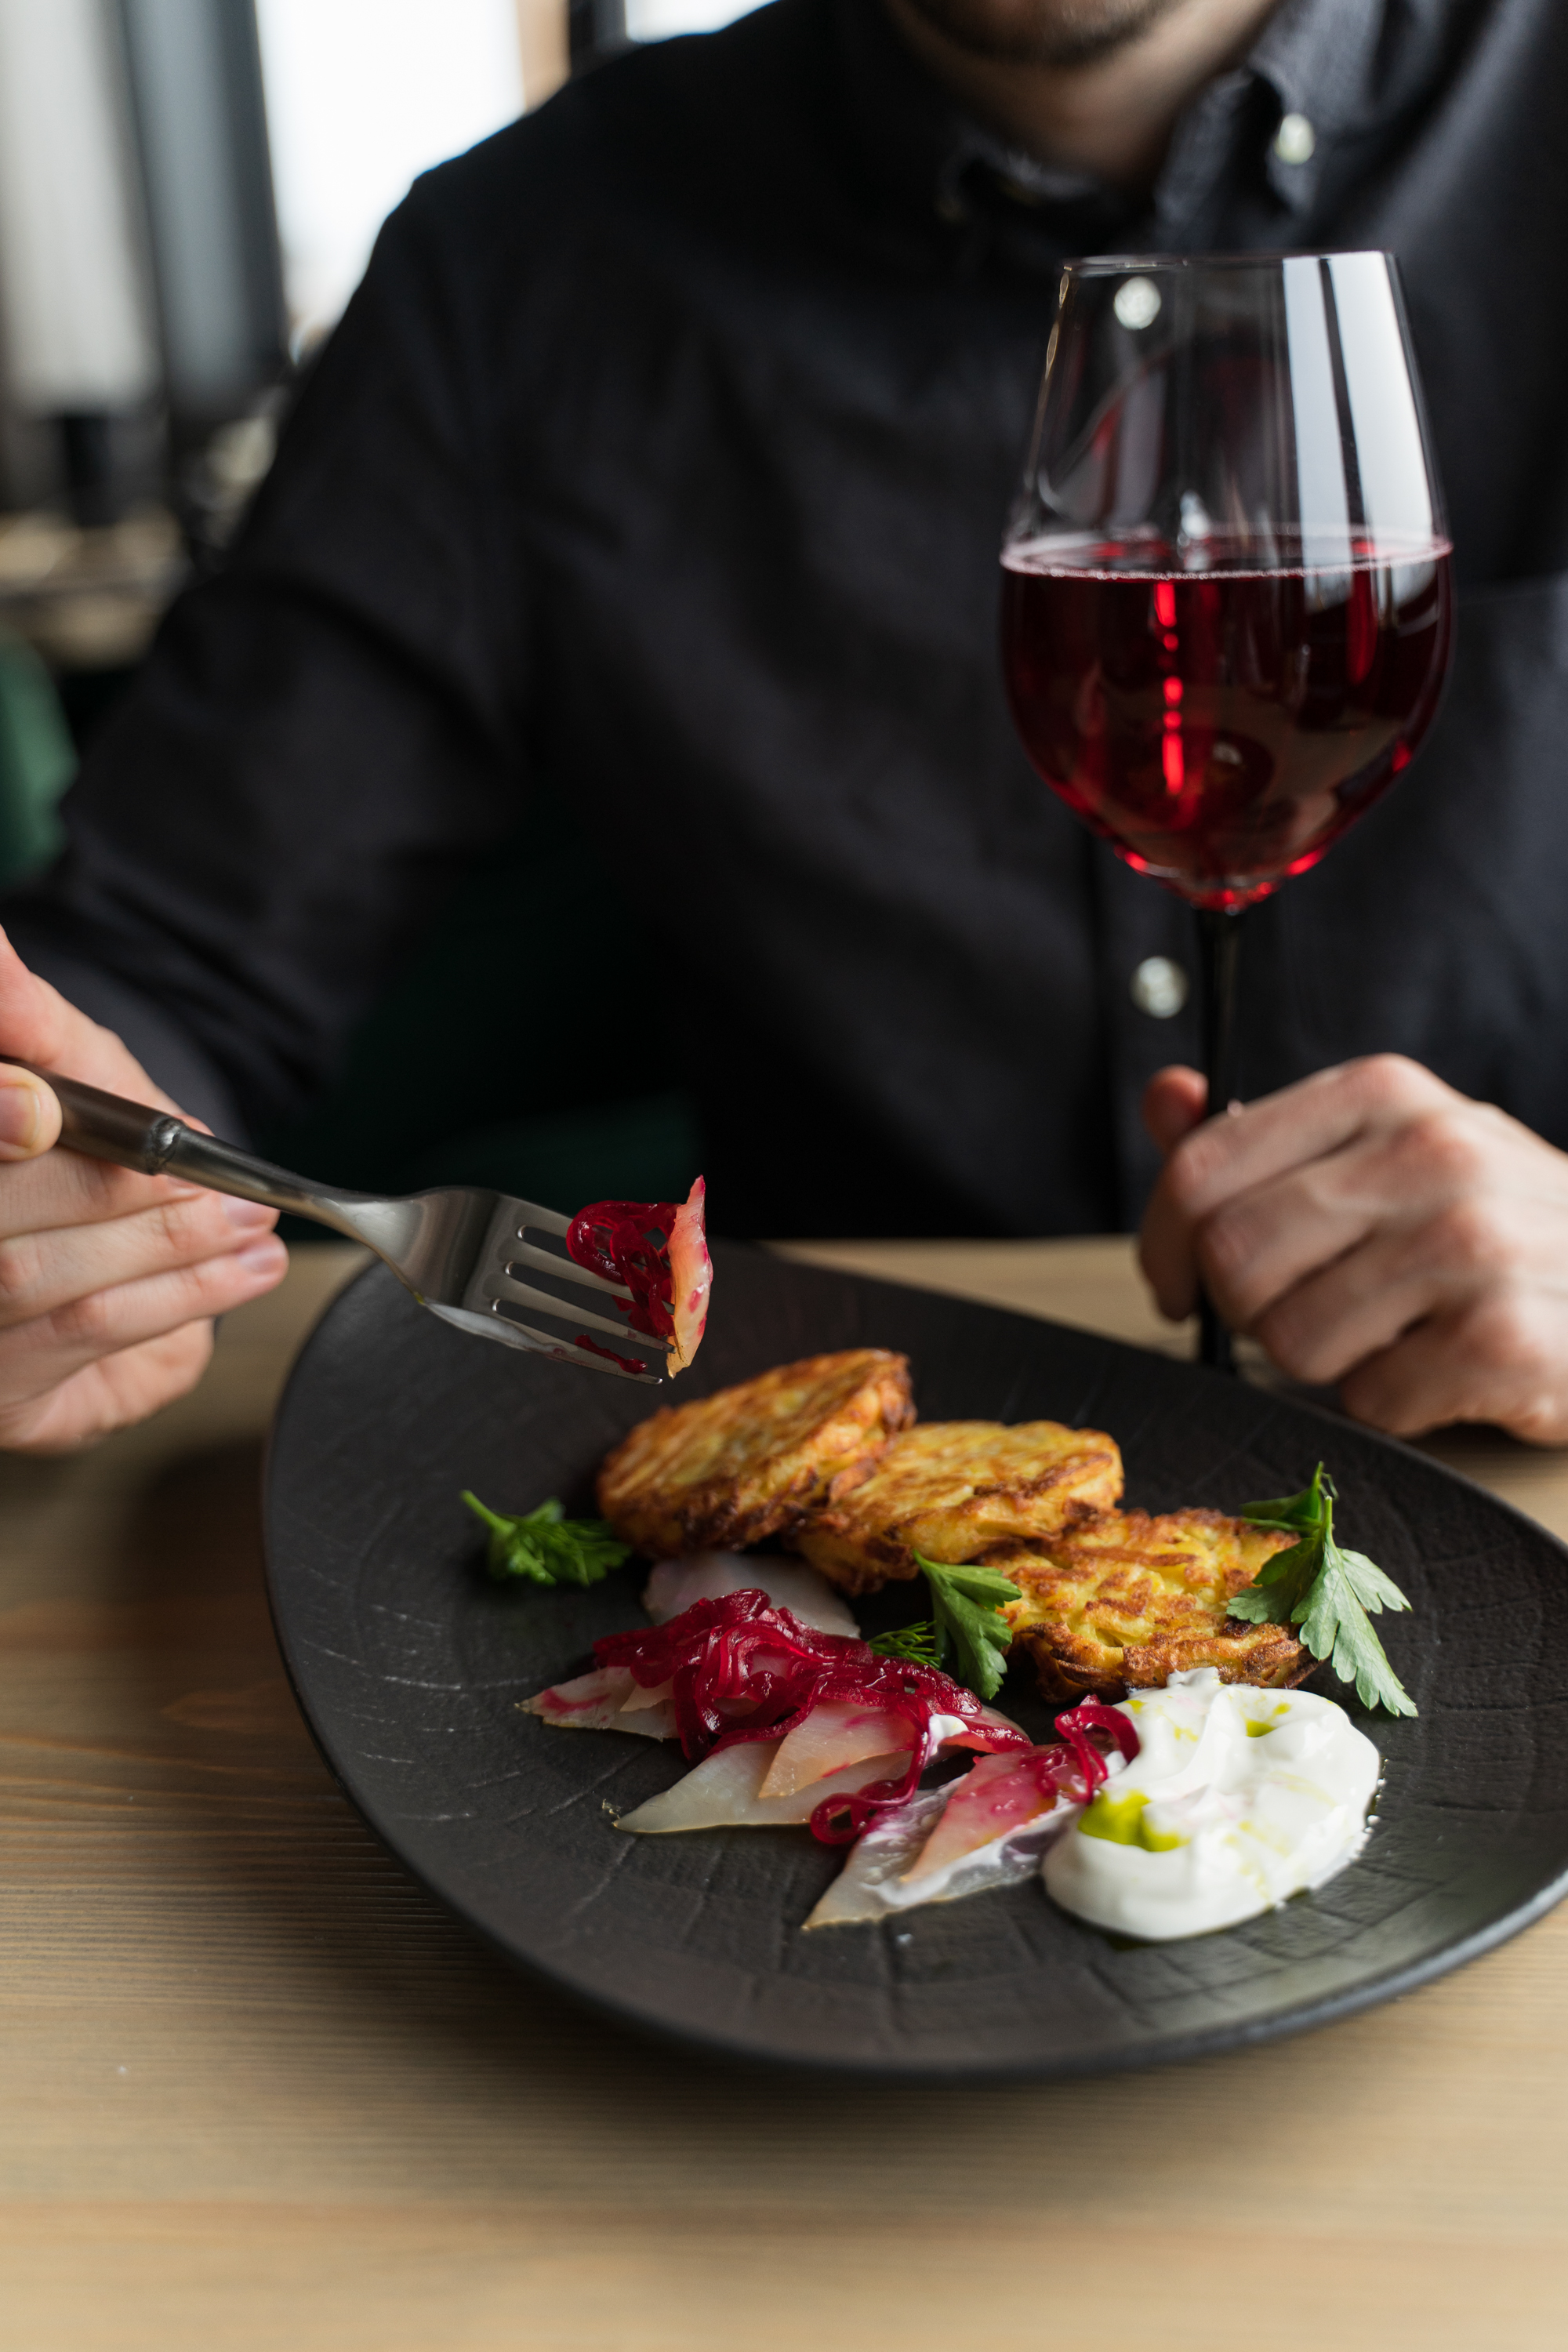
726 1470
949 1488
1129 1600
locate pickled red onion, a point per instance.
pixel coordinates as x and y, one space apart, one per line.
658 1251
741 1669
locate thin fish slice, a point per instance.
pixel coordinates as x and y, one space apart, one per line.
893 1868
608 1699
990 1802
838 1733
789 1584
869 1885
725 1792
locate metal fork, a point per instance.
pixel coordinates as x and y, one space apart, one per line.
457 1250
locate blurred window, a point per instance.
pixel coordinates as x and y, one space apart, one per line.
361 96
77 326
656 20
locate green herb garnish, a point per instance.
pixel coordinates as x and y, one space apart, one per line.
966 1636
1302 1514
1326 1591
915 1642
546 1547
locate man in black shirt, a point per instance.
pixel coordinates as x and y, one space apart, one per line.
661 462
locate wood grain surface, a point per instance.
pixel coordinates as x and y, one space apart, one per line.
257 2090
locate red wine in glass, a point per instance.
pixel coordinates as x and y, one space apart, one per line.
1223 727
1226 607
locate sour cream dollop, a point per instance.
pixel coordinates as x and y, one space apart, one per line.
1237 1799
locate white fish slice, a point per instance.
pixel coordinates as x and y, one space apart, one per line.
868 1886
789 1584
838 1732
638 1701
998 1796
725 1792
606 1700
887 1870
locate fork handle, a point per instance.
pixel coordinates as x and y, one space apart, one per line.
155 1143
108 1127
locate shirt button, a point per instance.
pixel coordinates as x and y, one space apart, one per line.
1159 987
1295 140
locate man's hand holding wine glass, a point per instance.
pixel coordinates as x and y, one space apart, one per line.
1372 1227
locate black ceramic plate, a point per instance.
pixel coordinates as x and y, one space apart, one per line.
409 1664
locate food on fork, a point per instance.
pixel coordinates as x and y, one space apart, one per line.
951 1489
731 1469
659 1250
1128 1600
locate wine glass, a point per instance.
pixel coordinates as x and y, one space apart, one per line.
1227 612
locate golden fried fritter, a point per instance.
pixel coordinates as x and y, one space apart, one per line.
729 1469
1129 1600
952 1487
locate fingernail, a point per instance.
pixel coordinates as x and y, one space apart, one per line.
21 1123
266 1257
247 1215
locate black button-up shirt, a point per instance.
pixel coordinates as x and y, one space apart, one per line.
660 468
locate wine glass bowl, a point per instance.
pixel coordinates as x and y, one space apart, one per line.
1226 604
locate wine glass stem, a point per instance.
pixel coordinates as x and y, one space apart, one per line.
1219 933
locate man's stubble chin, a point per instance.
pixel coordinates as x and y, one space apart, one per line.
1061 33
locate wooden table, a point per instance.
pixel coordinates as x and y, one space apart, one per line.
256 2091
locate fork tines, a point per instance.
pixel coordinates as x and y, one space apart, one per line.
517 1257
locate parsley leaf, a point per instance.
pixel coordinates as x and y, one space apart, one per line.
546 1547
1328 1592
1281 1584
1298 1512
972 1636
1334 1623
966 1636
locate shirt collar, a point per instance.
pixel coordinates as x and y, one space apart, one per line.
1325 60
919 158
1320 55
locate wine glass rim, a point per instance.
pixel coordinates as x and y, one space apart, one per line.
1096 264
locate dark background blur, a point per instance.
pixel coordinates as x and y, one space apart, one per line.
189 190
